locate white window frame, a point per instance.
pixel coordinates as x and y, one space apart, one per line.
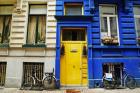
136 16
108 22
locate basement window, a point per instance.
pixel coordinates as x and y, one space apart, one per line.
5 23
73 9
31 69
37 24
2 73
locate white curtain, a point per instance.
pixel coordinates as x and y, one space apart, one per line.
32 30
41 29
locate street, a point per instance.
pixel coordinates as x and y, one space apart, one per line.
96 90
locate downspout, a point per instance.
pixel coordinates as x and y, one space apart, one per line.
91 6
126 6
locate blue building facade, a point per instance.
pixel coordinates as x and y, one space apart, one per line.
102 58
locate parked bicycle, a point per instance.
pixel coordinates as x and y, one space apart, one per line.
47 82
125 81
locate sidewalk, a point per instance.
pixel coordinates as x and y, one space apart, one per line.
97 90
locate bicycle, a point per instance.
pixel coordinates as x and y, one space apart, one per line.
47 82
126 81
108 83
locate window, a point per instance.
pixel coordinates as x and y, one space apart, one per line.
37 24
137 22
2 73
30 69
109 25
5 23
74 35
73 9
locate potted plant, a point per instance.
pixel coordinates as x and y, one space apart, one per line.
110 40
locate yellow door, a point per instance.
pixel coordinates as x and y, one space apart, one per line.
73 65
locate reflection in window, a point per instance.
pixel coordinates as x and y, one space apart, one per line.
73 35
73 9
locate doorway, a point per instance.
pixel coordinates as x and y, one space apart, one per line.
73 65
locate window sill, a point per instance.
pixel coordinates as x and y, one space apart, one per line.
4 45
34 46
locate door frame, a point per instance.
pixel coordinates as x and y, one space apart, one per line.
86 25
79 42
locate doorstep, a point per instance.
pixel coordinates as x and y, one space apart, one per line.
73 87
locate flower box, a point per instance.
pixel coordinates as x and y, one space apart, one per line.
110 41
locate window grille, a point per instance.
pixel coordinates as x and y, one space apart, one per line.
28 69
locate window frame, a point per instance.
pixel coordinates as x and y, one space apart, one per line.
73 4
37 16
136 16
108 16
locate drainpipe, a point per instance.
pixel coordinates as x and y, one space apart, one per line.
91 6
126 5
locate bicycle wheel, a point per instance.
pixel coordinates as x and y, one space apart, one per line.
28 84
130 82
49 85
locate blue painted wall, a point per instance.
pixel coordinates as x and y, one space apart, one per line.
127 52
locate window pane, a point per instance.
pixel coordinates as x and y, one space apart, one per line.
104 27
138 26
73 9
38 9
4 10
113 26
108 10
32 29
73 35
137 10
6 29
41 29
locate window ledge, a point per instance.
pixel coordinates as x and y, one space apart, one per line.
74 18
34 46
4 45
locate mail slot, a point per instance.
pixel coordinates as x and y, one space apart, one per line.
73 50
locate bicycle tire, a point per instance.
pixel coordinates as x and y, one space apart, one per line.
130 82
28 85
109 84
47 85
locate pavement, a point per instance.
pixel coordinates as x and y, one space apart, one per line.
96 90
